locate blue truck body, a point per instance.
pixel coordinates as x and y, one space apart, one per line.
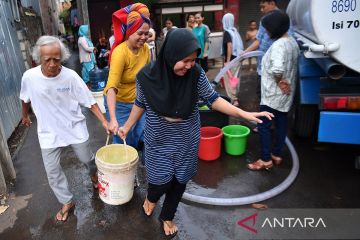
332 126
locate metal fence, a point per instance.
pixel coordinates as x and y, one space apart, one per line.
11 69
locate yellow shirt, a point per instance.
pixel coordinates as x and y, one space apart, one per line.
123 69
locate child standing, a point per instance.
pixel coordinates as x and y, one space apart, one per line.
250 38
278 76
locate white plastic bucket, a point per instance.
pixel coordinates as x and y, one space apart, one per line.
116 165
99 98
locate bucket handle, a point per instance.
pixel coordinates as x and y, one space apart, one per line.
126 153
107 140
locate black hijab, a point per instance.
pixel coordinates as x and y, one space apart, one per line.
167 94
276 23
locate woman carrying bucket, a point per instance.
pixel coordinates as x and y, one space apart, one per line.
168 90
128 55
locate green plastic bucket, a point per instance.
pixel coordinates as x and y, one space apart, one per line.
235 138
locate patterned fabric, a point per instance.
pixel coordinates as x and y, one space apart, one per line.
266 41
171 148
128 20
280 59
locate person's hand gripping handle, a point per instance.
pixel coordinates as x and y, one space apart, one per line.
123 132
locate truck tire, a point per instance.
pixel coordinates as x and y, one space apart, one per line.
305 119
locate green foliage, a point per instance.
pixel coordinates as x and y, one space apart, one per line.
65 16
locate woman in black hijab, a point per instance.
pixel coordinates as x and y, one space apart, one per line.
168 90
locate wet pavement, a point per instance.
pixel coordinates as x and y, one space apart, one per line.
327 179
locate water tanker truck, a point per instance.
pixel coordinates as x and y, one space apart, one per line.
328 92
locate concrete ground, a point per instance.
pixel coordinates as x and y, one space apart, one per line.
327 179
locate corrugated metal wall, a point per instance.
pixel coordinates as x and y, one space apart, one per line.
11 69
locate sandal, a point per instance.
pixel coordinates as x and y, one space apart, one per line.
147 210
171 227
260 165
276 160
65 213
94 181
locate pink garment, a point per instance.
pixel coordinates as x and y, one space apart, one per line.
234 81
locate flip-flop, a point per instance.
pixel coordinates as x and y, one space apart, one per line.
62 213
170 236
260 165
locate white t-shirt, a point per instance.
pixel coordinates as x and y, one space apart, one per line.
165 30
56 103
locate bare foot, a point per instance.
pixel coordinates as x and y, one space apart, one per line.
169 228
64 212
148 207
276 159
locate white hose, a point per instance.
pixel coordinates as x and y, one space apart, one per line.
260 196
252 198
235 61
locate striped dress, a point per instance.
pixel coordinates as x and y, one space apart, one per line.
171 148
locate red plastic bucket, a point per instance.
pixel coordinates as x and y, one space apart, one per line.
210 143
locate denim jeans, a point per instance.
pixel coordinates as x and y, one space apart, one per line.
136 134
280 120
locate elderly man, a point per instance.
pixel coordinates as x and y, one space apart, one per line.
56 94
